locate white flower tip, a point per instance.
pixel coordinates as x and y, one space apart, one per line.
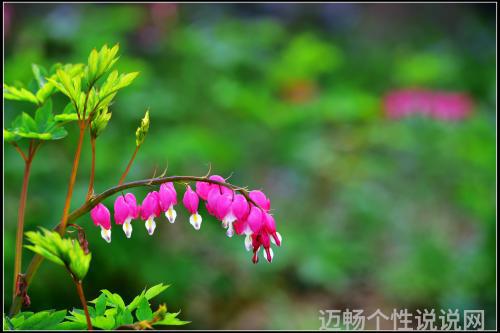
248 242
106 234
171 214
278 235
195 220
230 232
268 254
127 229
150 226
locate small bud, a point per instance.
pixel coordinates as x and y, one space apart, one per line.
142 130
100 121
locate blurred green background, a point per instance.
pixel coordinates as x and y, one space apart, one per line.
374 212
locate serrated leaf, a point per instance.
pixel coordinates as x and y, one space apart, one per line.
135 301
77 315
69 326
62 251
19 94
171 319
155 290
124 317
39 73
100 305
102 322
43 116
68 114
28 122
144 311
55 318
114 299
7 323
10 136
34 321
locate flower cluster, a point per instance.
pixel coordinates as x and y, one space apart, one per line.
436 104
242 215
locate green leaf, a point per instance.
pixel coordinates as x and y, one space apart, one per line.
28 122
102 322
34 321
114 299
144 311
66 252
10 136
21 94
39 73
43 116
7 323
135 301
171 319
100 305
54 319
100 122
69 326
100 62
68 114
124 317
155 290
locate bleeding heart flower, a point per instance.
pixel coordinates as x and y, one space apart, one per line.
168 198
191 201
101 217
126 209
150 209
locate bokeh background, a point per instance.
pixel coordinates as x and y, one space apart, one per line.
375 212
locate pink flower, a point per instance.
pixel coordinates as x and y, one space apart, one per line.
150 209
168 198
191 201
101 217
436 104
126 209
260 199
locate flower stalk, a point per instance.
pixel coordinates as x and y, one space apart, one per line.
81 294
21 210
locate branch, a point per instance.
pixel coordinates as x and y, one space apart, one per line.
87 206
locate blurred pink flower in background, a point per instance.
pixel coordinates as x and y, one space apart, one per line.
436 104
161 17
7 19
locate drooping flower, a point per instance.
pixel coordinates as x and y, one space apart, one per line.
150 209
229 208
101 217
126 209
191 201
168 198
260 199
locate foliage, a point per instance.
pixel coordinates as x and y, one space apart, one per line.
62 251
108 313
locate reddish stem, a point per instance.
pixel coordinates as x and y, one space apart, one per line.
81 294
92 169
69 195
122 178
20 221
